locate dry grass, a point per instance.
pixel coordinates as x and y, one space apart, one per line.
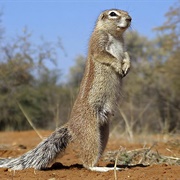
29 121
143 156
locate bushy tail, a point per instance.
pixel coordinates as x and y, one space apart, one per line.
43 154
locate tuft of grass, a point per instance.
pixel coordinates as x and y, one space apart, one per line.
143 156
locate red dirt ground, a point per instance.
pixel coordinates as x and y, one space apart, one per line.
13 144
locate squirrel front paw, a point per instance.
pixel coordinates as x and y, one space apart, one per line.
126 64
123 67
117 67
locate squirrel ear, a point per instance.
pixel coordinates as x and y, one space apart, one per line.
101 16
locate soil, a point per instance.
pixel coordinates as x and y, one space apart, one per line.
69 167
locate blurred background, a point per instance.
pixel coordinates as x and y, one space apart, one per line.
43 48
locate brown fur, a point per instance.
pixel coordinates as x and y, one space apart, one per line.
98 95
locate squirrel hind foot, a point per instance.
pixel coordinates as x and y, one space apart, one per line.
104 169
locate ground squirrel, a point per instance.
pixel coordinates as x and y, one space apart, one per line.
88 127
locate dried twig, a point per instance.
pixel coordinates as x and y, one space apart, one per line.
29 120
129 128
115 165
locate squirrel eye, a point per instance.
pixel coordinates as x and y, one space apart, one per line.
112 14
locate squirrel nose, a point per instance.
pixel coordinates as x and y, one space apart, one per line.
128 19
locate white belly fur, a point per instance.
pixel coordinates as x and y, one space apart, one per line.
115 47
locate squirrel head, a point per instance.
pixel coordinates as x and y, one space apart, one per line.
114 21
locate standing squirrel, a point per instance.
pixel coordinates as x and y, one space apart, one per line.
88 126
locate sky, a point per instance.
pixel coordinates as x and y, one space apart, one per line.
74 20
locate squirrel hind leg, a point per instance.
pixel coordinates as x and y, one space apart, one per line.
103 169
93 150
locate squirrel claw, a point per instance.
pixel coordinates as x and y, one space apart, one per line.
125 71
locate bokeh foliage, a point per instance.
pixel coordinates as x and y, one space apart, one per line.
151 93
